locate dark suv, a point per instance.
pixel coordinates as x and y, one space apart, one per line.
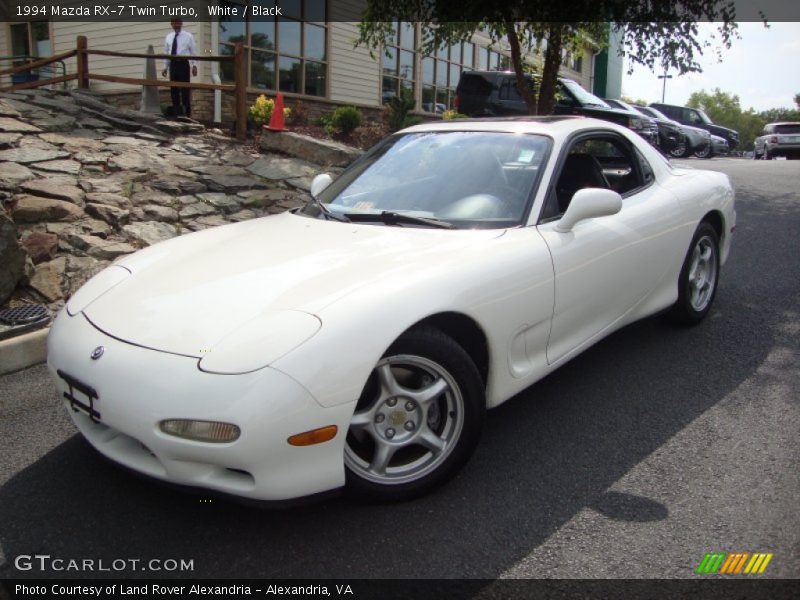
495 94
697 118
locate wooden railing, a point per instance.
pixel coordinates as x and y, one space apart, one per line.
83 75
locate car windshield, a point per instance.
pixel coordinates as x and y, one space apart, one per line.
461 179
704 117
584 97
652 112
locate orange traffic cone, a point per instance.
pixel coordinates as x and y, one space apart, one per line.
276 120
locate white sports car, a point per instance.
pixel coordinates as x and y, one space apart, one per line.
357 341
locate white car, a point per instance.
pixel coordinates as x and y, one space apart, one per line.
358 341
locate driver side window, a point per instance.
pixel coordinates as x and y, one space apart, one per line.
601 161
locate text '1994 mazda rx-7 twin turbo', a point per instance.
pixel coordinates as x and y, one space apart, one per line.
357 341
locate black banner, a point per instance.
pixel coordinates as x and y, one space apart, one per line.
407 10
440 589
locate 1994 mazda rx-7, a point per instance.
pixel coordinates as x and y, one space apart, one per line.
358 341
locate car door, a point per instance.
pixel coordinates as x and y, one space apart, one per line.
605 267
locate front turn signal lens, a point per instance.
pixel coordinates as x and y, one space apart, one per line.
201 431
315 436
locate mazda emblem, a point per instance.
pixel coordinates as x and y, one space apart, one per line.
97 352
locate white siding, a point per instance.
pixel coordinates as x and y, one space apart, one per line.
125 37
354 76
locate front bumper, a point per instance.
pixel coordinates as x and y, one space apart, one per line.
139 387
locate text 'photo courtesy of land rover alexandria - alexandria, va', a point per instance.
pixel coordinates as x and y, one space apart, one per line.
495 94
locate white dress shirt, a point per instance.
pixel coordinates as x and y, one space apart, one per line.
186 46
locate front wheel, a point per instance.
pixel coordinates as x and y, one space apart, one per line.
706 152
697 285
418 419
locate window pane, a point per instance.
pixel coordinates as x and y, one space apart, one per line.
455 73
441 73
226 67
262 34
469 52
441 97
483 64
428 98
315 79
289 74
390 61
289 36
388 89
40 31
455 53
407 35
314 10
427 70
262 70
231 29
393 36
289 8
406 64
505 62
442 53
20 45
315 42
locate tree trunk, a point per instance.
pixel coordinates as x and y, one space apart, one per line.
552 61
516 61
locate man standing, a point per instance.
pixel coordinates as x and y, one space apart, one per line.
180 43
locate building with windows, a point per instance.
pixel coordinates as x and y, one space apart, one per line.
308 55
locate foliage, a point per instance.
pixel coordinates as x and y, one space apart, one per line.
637 101
453 114
261 110
299 114
346 119
398 107
660 35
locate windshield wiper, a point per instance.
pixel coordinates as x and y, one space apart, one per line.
327 212
395 218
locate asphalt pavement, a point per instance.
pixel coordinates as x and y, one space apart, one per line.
654 447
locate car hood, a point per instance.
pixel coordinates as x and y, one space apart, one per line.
186 294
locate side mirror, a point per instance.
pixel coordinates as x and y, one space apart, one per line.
319 183
589 203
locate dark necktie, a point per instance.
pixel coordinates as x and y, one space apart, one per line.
175 44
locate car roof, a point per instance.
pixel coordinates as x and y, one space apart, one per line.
784 123
554 126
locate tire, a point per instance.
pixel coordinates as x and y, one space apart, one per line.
707 152
407 439
699 277
682 150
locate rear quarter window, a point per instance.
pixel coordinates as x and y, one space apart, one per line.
474 85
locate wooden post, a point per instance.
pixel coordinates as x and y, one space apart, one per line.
83 63
240 81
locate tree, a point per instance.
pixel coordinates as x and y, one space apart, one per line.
663 34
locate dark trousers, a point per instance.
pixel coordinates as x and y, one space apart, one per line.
179 71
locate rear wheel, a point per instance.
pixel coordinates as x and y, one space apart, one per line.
697 285
418 420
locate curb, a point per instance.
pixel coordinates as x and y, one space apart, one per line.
23 351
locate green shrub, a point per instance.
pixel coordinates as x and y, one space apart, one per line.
346 119
261 110
398 108
453 114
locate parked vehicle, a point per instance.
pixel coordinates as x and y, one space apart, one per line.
778 139
670 133
359 340
697 118
650 129
495 94
718 147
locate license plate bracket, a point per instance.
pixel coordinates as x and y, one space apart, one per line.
75 403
